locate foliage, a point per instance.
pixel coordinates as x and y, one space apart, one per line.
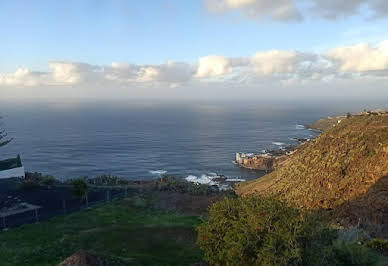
48 180
34 180
380 245
106 180
329 172
265 231
346 253
252 231
170 183
28 185
80 187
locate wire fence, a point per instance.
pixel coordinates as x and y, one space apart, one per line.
65 206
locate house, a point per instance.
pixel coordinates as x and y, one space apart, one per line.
11 168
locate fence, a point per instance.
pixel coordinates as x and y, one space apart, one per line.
65 206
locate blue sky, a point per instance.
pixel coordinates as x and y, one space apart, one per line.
99 32
147 32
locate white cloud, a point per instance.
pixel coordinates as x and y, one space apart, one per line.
361 58
22 77
213 65
263 70
70 72
281 10
296 10
171 72
281 62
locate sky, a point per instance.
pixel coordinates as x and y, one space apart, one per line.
194 49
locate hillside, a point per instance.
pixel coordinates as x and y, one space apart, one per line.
326 123
344 169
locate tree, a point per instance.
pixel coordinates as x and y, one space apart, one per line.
80 189
48 181
4 140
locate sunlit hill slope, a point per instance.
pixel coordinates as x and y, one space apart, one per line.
345 170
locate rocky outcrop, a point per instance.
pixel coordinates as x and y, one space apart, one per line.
81 258
263 162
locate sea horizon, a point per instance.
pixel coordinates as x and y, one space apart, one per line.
144 140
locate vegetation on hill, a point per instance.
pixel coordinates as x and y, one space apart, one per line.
326 123
265 231
345 168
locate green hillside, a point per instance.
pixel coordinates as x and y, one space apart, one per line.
344 169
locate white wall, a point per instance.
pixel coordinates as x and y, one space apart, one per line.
15 172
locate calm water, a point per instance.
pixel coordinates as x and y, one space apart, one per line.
133 140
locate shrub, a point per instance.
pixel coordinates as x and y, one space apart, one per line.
264 231
170 183
47 180
351 253
251 231
80 188
380 245
28 185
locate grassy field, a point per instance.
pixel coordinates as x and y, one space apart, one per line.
122 232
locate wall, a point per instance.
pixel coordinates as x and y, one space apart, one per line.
15 172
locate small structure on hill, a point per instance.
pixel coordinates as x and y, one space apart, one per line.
12 168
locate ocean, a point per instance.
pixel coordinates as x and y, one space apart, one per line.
141 141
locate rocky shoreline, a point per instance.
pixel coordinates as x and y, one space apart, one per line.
269 160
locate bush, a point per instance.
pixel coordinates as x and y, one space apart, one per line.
170 183
33 180
251 231
80 188
380 245
346 253
28 185
264 231
48 180
107 180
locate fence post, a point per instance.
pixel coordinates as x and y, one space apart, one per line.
126 191
4 225
107 195
36 216
64 206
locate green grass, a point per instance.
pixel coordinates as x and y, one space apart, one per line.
125 232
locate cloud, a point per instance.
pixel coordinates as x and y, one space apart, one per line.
336 9
171 72
71 72
214 65
361 58
273 68
281 62
280 10
23 77
297 10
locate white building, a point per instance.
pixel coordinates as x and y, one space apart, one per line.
12 168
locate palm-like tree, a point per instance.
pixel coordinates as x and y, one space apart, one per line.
80 189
